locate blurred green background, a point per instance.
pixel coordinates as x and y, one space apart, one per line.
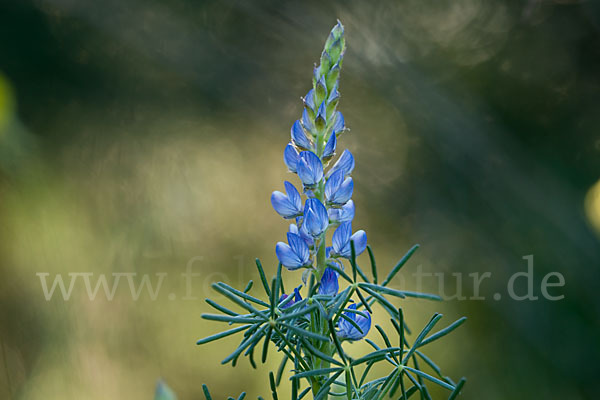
141 136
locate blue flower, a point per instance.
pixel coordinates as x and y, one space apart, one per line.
339 124
295 255
329 282
341 241
310 168
291 157
337 189
329 149
344 163
293 301
290 205
316 219
310 242
343 214
309 100
299 137
348 331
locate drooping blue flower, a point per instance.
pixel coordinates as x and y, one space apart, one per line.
342 237
348 331
339 123
310 168
343 214
344 163
291 157
299 137
337 189
297 298
329 282
316 219
295 255
290 205
329 149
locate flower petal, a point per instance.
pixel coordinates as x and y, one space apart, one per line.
287 257
329 149
329 283
339 125
309 99
290 157
282 204
344 163
344 192
333 184
341 236
299 247
316 219
293 196
299 137
360 241
310 168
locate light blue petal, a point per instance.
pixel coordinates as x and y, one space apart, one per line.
339 124
344 192
329 283
333 184
287 257
310 168
282 204
341 236
294 196
299 247
344 163
290 157
309 100
316 219
329 149
346 213
321 214
360 241
299 137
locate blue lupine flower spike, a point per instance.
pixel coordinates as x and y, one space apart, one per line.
348 331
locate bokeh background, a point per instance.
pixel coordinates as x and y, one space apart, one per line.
140 136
